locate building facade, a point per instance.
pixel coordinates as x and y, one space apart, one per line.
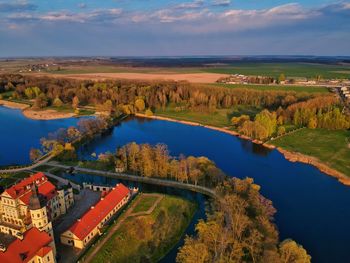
89 225
33 202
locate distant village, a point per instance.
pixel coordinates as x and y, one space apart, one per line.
282 80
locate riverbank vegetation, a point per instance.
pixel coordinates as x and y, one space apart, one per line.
257 114
239 229
332 148
148 238
155 161
62 143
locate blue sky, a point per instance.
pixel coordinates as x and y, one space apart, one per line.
173 28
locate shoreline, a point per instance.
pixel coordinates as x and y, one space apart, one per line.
288 155
45 114
13 105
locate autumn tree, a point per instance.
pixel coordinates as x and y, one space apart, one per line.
35 154
75 102
291 252
140 104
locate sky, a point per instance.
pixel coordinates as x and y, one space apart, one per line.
174 28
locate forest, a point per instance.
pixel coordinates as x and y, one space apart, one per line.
240 229
280 109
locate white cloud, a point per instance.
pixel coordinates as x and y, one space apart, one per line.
221 2
190 5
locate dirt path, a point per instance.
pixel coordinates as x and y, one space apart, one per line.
121 220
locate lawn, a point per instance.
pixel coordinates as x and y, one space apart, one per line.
307 89
330 147
219 118
290 69
145 204
149 238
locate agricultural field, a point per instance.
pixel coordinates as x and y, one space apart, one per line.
308 89
290 69
148 238
330 147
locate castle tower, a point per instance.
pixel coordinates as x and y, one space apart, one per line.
39 214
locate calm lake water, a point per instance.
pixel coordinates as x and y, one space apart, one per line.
18 134
313 208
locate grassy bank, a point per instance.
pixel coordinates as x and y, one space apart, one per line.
148 238
218 118
330 147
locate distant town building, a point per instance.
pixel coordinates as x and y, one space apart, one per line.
34 246
33 202
89 226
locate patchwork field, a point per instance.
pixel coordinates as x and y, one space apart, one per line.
202 77
290 69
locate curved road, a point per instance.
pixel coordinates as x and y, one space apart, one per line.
26 168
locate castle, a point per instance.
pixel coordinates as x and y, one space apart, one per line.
33 203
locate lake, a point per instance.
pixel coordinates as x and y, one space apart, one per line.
313 208
19 134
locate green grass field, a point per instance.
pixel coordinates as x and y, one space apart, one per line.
330 147
290 69
148 238
218 118
307 89
147 202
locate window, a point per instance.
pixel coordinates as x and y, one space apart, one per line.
48 258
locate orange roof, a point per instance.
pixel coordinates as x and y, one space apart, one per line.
43 251
33 242
23 190
96 214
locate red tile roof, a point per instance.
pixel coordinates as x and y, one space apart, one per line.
43 251
23 190
33 242
96 214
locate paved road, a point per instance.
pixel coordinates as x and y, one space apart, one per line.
26 168
135 178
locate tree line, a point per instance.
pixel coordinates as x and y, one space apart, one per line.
155 161
320 112
123 94
240 229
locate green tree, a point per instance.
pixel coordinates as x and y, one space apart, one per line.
281 78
